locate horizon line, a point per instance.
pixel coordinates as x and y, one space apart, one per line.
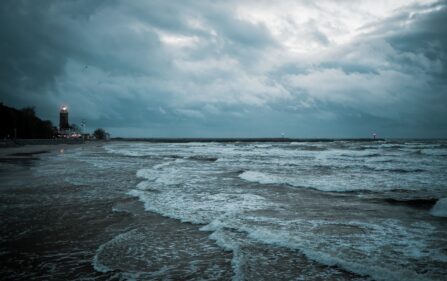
239 139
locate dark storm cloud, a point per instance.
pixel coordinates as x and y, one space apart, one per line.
395 74
28 59
41 39
178 68
418 35
421 48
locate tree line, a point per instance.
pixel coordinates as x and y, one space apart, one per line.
24 124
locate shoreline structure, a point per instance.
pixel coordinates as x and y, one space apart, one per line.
228 140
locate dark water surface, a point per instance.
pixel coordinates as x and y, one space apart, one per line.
220 211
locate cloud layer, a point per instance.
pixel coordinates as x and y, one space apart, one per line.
231 68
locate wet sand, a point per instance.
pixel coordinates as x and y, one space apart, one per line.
29 150
54 231
44 233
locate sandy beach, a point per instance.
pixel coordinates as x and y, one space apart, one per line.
27 150
51 229
44 233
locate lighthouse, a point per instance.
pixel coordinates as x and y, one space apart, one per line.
63 118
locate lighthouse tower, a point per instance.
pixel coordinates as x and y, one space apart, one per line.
63 118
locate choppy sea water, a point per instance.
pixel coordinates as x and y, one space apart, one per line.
271 211
364 207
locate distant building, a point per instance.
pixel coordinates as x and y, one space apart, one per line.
63 119
69 131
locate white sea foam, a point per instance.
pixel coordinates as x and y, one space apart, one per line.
263 145
146 253
149 174
161 165
333 249
215 195
259 177
229 243
200 208
323 252
334 178
440 208
97 261
163 174
303 181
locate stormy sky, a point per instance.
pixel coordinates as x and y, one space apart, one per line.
237 68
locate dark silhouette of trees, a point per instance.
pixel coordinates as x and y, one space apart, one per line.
23 124
100 134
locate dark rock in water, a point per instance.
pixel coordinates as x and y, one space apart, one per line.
203 158
423 203
29 153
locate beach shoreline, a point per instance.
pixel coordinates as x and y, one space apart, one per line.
23 148
56 227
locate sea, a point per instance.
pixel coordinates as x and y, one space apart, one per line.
135 210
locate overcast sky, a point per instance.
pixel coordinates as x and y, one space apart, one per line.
230 68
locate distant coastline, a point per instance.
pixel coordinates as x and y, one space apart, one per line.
230 140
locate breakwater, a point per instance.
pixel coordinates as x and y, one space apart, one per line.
229 140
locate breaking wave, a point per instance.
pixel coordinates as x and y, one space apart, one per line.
440 208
